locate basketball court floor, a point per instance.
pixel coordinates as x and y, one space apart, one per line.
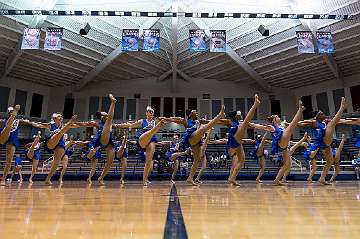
213 210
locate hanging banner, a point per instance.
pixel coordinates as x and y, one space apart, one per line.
325 42
53 39
30 39
218 41
130 39
197 40
151 40
305 42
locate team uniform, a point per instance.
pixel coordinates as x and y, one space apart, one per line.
86 151
53 130
14 132
276 137
192 126
319 134
124 154
145 126
37 154
96 142
307 153
232 142
254 153
18 161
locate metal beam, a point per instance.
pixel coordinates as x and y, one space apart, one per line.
164 75
231 53
114 54
183 75
37 22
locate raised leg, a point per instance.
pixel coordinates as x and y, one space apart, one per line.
240 132
145 138
5 133
284 141
330 127
55 138
105 136
199 133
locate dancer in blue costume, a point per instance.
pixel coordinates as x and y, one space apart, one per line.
103 136
280 138
69 151
203 159
55 143
172 155
146 138
91 153
295 145
17 168
9 137
195 130
336 152
258 155
236 131
121 155
33 154
323 131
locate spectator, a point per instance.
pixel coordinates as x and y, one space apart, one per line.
356 163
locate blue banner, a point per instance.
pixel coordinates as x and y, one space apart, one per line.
325 42
151 40
53 39
30 39
130 40
197 40
305 42
218 41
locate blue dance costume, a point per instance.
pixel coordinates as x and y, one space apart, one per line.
145 126
54 129
319 134
87 150
192 126
307 152
173 149
14 132
97 140
18 161
37 154
232 142
357 135
124 154
257 144
276 137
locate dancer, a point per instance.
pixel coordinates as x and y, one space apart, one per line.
55 143
33 154
103 137
172 155
280 138
323 130
310 151
195 130
146 138
91 153
206 139
121 155
336 152
69 151
9 137
291 152
236 131
258 155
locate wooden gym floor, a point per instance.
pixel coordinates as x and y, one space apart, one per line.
213 210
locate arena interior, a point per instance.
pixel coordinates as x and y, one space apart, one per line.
180 119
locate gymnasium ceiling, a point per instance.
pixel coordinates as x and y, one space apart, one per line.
252 59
